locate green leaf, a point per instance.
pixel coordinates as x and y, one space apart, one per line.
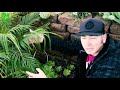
58 68
29 19
51 63
66 72
71 67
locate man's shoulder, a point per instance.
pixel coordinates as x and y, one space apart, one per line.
114 46
114 57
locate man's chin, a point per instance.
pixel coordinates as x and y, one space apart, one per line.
89 53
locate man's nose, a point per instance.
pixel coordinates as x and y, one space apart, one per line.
88 42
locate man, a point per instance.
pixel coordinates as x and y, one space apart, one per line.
40 74
100 52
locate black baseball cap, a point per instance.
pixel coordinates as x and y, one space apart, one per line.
91 26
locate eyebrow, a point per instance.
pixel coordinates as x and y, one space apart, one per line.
89 35
93 35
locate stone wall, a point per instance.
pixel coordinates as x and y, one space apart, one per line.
67 25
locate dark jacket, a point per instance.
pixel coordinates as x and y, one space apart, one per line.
105 65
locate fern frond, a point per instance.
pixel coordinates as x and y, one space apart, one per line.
30 18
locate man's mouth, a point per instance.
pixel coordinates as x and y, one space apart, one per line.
89 49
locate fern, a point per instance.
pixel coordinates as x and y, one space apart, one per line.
30 18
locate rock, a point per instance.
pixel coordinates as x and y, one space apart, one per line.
67 19
54 19
115 29
58 27
73 29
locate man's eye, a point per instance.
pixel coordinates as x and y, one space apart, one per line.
93 38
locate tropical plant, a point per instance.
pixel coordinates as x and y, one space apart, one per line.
42 31
6 36
14 65
37 34
21 33
113 16
16 61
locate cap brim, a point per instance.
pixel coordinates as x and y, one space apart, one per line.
88 33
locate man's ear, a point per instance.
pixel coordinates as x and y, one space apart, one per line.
104 38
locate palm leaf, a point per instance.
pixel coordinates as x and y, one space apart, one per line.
20 29
4 42
17 64
30 18
14 40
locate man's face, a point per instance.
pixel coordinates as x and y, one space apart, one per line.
93 44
